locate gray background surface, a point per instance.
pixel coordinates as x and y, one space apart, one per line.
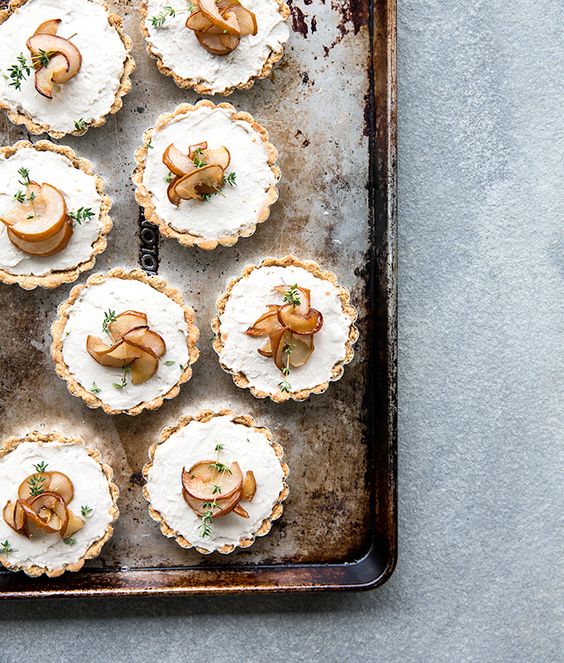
481 335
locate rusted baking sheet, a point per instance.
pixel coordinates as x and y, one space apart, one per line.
330 109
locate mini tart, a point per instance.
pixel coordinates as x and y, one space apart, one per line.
179 54
247 297
81 187
97 89
93 487
193 439
225 217
83 314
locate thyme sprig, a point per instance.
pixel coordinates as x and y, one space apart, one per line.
70 540
6 548
199 158
19 72
109 317
80 124
95 389
169 12
27 197
81 214
36 485
292 295
121 385
206 518
230 179
41 467
285 386
86 511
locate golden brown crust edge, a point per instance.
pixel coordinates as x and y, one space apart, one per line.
96 547
58 327
204 416
349 310
201 88
55 278
145 198
19 117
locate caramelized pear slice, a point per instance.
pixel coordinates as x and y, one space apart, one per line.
172 196
45 76
45 247
309 323
267 324
98 350
49 27
176 161
53 44
302 348
226 23
125 322
74 524
200 481
47 219
246 19
304 296
238 509
266 350
14 516
281 348
40 479
123 352
145 338
144 367
223 506
53 482
218 43
200 182
194 148
20 212
249 486
45 513
197 21
219 156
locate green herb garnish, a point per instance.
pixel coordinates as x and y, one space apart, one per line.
95 389
86 511
80 125
6 548
169 12
109 317
70 540
292 296
81 214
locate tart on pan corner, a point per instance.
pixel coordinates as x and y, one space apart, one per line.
65 64
53 215
285 329
215 46
124 341
58 503
206 174
215 481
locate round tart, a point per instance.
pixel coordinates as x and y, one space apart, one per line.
71 226
124 341
215 481
224 178
65 64
201 48
58 504
284 329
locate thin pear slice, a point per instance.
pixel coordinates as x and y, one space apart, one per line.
238 509
21 211
267 324
53 44
197 146
144 366
266 350
211 11
310 323
246 19
177 162
49 27
201 480
304 295
198 21
219 156
122 351
125 322
45 76
14 516
47 512
302 349
218 43
48 217
281 348
172 196
53 482
222 508
97 349
74 524
145 338
202 181
45 247
249 486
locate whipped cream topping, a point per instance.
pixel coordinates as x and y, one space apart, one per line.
91 93
235 207
180 51
196 442
249 299
90 489
78 189
86 316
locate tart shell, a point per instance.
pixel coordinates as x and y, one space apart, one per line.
58 328
145 198
19 117
201 88
95 548
55 278
277 509
311 266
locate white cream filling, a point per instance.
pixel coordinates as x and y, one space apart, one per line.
86 316
91 93
196 442
78 189
180 51
90 489
235 207
248 301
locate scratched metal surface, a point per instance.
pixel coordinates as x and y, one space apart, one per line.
314 110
